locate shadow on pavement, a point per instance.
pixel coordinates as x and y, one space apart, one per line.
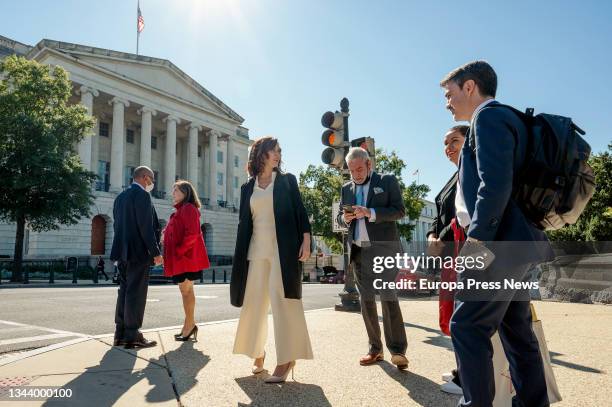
185 362
283 394
570 365
420 389
114 376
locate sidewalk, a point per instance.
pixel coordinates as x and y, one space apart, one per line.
207 374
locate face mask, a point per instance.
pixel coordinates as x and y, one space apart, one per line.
149 187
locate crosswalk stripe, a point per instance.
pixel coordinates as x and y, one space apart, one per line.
33 339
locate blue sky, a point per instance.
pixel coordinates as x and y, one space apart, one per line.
282 63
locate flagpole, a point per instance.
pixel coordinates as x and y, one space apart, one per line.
137 32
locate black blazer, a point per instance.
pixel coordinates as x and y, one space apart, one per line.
291 223
385 197
136 227
445 208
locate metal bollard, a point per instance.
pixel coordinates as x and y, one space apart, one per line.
224 276
26 276
213 279
202 277
51 275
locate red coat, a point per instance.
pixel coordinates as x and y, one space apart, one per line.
184 249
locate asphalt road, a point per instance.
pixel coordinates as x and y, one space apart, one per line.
36 317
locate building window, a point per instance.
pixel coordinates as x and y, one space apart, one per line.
199 151
103 181
127 175
235 182
103 129
129 136
220 157
219 178
153 142
236 161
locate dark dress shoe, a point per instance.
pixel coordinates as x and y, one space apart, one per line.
371 358
118 342
140 343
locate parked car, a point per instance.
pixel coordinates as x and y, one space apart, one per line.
156 275
332 276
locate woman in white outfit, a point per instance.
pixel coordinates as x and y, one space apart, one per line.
273 236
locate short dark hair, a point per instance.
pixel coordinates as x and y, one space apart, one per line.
461 128
479 71
142 171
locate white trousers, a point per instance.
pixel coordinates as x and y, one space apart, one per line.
264 288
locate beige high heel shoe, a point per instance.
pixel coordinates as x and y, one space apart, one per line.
281 379
257 369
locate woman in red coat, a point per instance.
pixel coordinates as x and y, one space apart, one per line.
184 251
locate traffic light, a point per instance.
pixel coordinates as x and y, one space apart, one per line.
334 138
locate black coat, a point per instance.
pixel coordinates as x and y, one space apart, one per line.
445 209
291 223
136 227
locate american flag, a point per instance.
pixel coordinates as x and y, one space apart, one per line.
140 22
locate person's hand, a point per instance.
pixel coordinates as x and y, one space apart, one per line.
362 212
432 237
348 217
304 253
434 247
158 260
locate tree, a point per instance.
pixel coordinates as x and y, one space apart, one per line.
595 223
320 187
42 182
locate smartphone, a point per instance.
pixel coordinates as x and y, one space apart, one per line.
348 208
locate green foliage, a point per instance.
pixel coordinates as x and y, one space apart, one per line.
41 178
320 187
595 223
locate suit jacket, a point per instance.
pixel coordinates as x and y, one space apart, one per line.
493 153
445 208
291 223
388 205
136 227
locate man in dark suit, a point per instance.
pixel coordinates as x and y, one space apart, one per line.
135 248
494 150
377 205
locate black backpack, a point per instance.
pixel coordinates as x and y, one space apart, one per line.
555 182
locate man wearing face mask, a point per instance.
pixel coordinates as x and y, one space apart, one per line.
135 248
370 206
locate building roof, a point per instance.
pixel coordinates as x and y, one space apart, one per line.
68 48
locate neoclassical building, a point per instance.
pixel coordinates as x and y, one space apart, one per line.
148 112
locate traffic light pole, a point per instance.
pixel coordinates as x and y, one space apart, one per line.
349 296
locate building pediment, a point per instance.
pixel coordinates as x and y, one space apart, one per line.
155 73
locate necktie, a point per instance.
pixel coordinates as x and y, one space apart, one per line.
359 200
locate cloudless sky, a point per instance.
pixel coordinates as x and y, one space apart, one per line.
282 63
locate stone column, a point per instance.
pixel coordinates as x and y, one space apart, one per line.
229 172
145 135
170 154
213 136
192 154
85 146
117 144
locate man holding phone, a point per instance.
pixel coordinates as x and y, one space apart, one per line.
370 206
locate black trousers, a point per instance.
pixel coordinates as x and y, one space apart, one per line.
472 325
131 299
393 322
